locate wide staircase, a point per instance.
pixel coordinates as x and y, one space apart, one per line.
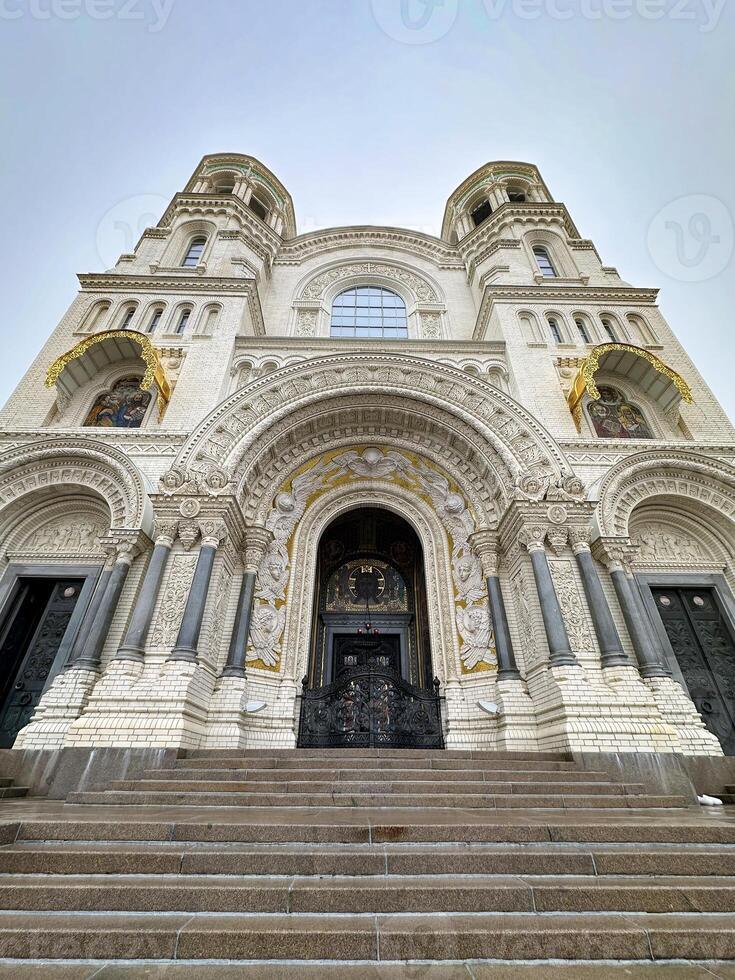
367 863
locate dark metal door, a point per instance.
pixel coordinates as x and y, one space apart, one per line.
705 652
28 648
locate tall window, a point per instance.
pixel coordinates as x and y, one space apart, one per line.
544 262
609 330
583 332
127 319
614 417
183 321
369 311
257 207
155 320
517 197
192 257
481 213
555 330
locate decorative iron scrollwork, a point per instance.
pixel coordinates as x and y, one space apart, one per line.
371 708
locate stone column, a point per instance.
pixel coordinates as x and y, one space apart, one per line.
611 649
90 652
485 544
560 651
257 541
133 644
91 612
191 623
649 662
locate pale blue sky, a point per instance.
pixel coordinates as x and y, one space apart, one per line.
622 116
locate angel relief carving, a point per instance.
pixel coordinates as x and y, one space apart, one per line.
659 542
451 508
67 535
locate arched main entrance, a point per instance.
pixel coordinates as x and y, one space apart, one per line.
370 680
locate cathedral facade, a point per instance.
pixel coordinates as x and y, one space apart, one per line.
365 486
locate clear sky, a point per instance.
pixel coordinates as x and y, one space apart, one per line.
372 111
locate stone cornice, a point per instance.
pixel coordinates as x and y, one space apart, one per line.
536 213
319 242
159 283
320 344
529 294
260 236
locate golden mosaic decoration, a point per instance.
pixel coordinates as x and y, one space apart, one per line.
585 379
154 373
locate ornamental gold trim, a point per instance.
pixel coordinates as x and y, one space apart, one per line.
585 379
154 372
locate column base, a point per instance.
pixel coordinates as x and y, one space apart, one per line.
58 709
517 728
185 654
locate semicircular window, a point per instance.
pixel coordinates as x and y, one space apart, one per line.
369 311
121 407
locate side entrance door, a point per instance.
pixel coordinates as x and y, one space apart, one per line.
29 642
705 653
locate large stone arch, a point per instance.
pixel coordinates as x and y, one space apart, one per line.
325 282
704 483
437 559
72 466
497 424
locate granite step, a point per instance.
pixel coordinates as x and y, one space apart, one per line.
500 936
335 799
405 787
444 762
339 754
369 773
361 895
299 827
173 857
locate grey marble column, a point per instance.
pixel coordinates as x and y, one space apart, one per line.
611 649
191 623
257 541
560 650
90 652
86 624
484 543
636 621
133 643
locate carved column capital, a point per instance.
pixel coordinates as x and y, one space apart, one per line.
615 553
256 544
166 532
533 537
580 539
123 549
485 545
213 532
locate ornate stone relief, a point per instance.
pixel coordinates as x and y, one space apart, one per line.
306 321
67 535
529 648
371 463
173 600
431 326
572 605
659 542
421 289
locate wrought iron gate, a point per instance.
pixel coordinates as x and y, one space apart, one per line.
371 708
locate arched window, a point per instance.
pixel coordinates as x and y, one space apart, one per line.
543 262
155 319
122 407
127 318
555 329
516 196
183 323
609 329
225 185
582 330
194 253
369 311
614 417
481 213
258 208
97 316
